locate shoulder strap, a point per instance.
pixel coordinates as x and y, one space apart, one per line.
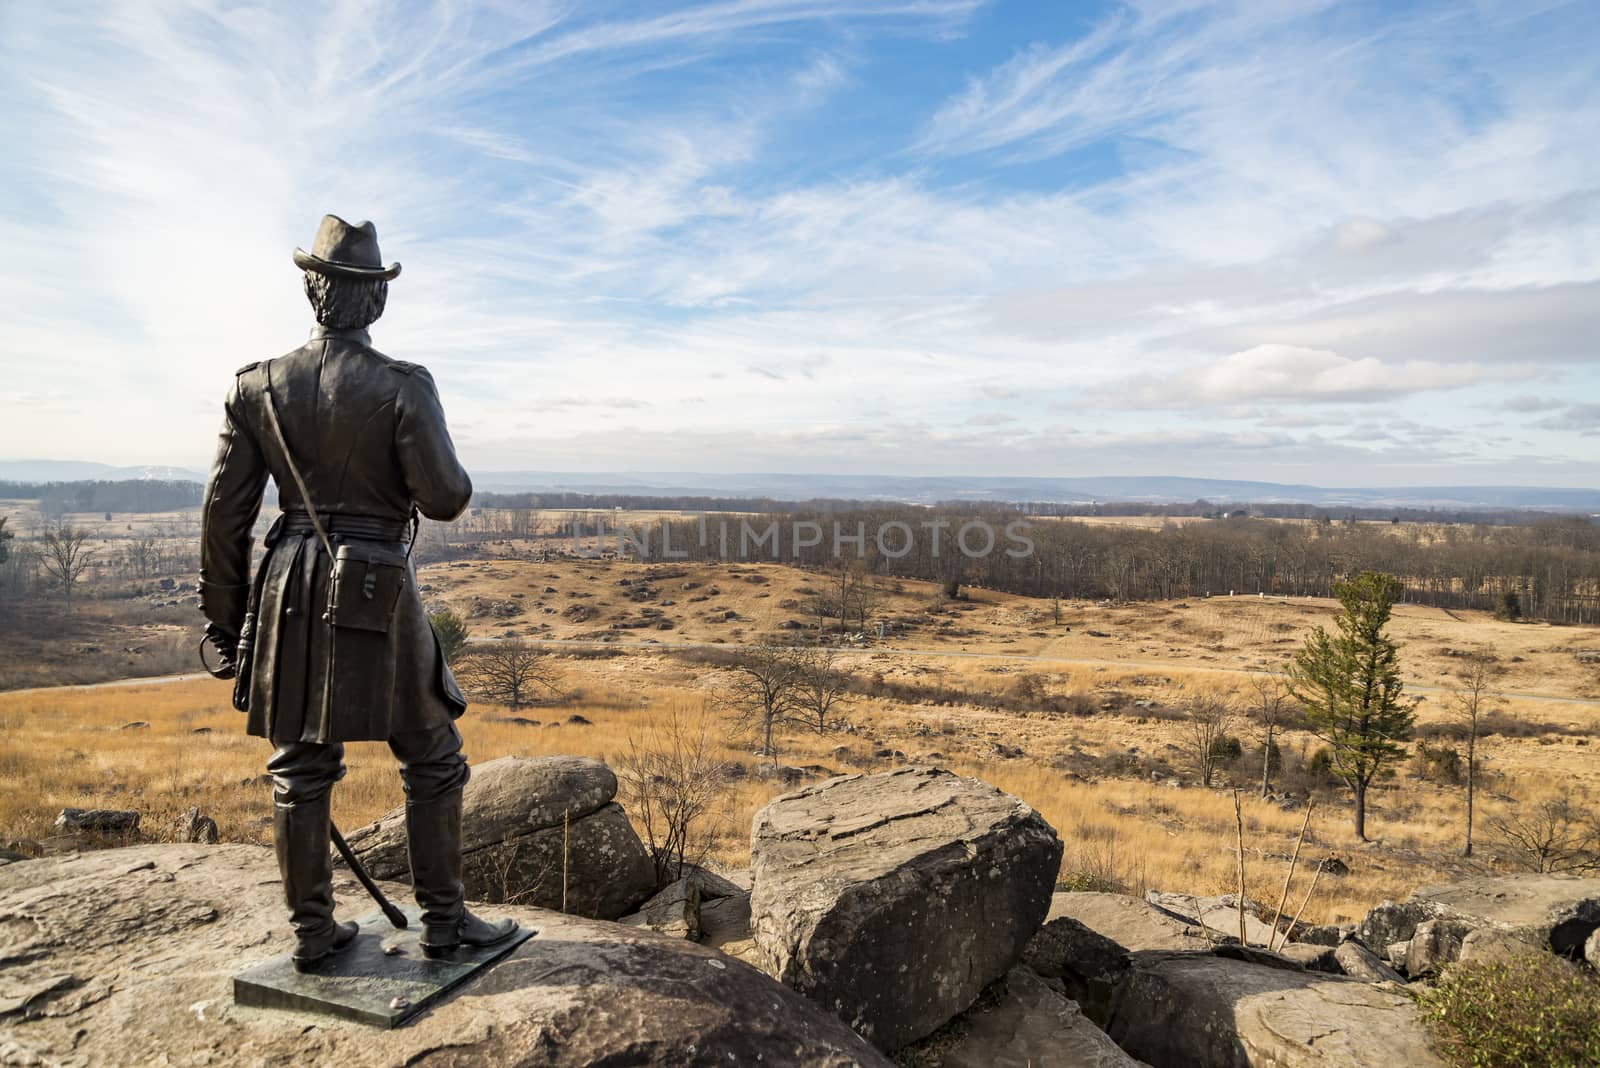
294 472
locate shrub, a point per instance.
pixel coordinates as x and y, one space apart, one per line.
1439 763
1227 748
1532 1009
1508 606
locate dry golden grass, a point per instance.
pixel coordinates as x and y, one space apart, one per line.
71 747
1199 636
67 747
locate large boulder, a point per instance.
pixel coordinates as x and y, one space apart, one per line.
1202 1011
894 899
126 956
1029 1025
537 831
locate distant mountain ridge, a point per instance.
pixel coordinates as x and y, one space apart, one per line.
87 471
1153 489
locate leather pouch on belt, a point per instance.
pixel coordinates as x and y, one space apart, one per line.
367 582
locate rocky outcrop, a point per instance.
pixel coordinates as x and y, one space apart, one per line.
1030 1025
894 899
126 956
1591 949
1202 1011
1556 911
535 830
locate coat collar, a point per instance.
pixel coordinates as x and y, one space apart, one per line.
328 333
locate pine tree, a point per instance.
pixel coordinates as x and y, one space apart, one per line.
1349 683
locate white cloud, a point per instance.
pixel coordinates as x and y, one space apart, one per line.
1291 374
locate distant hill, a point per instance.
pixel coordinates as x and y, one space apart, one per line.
1155 489
85 471
928 490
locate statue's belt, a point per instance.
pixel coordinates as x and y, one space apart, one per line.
365 527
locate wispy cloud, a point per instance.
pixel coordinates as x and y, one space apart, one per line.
810 233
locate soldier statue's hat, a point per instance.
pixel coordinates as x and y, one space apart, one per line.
345 251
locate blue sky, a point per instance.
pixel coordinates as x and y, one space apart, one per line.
1329 243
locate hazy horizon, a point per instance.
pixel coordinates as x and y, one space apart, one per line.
1338 245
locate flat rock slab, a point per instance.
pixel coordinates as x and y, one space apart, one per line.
383 979
127 957
1560 911
1137 926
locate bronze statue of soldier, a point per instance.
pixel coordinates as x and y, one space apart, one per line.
331 641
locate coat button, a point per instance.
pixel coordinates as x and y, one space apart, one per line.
289 611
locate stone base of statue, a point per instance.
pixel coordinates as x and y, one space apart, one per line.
382 979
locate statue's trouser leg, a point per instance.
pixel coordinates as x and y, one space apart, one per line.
303 774
435 773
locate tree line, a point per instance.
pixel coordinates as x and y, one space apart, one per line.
1550 567
127 495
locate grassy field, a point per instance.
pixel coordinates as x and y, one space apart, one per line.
1101 756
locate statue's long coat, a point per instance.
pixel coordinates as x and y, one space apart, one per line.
369 437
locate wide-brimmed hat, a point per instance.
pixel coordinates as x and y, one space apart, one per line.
345 251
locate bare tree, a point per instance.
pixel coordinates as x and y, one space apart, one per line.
673 782
1555 834
507 672
1270 700
144 555
764 691
1209 720
1471 701
66 555
818 686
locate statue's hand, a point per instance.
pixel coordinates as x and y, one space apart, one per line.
226 643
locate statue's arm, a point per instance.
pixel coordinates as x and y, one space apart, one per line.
232 503
438 484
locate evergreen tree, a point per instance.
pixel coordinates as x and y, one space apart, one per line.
5 536
451 630
1349 683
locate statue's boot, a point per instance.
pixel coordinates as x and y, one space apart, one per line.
300 833
433 837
